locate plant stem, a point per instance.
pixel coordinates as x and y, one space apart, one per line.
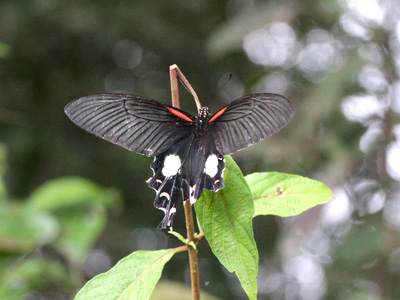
174 86
194 266
174 72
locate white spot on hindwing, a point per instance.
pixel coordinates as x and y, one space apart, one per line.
211 166
172 164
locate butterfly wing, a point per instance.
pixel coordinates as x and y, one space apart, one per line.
248 120
135 123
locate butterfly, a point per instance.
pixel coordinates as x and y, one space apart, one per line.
189 150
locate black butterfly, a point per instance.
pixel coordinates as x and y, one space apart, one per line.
189 151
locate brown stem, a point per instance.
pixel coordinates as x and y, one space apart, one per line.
174 72
194 266
174 85
193 261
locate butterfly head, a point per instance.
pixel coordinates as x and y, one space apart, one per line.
204 112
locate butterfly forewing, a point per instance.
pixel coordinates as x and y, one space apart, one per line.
135 123
248 120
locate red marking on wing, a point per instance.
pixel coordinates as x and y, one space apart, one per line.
179 114
218 114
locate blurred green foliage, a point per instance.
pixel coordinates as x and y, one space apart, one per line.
64 216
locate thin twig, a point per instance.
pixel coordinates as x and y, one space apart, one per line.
193 261
174 72
174 86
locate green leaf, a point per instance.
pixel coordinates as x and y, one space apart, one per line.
77 203
226 218
23 229
178 236
285 195
132 278
182 239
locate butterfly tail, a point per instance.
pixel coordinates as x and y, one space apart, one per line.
167 192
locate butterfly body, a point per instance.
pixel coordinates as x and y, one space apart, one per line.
189 151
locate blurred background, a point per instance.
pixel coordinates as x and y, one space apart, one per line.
72 205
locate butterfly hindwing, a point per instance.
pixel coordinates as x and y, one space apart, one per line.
248 120
167 180
135 123
167 187
192 165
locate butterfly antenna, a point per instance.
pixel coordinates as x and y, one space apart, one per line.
227 81
186 88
